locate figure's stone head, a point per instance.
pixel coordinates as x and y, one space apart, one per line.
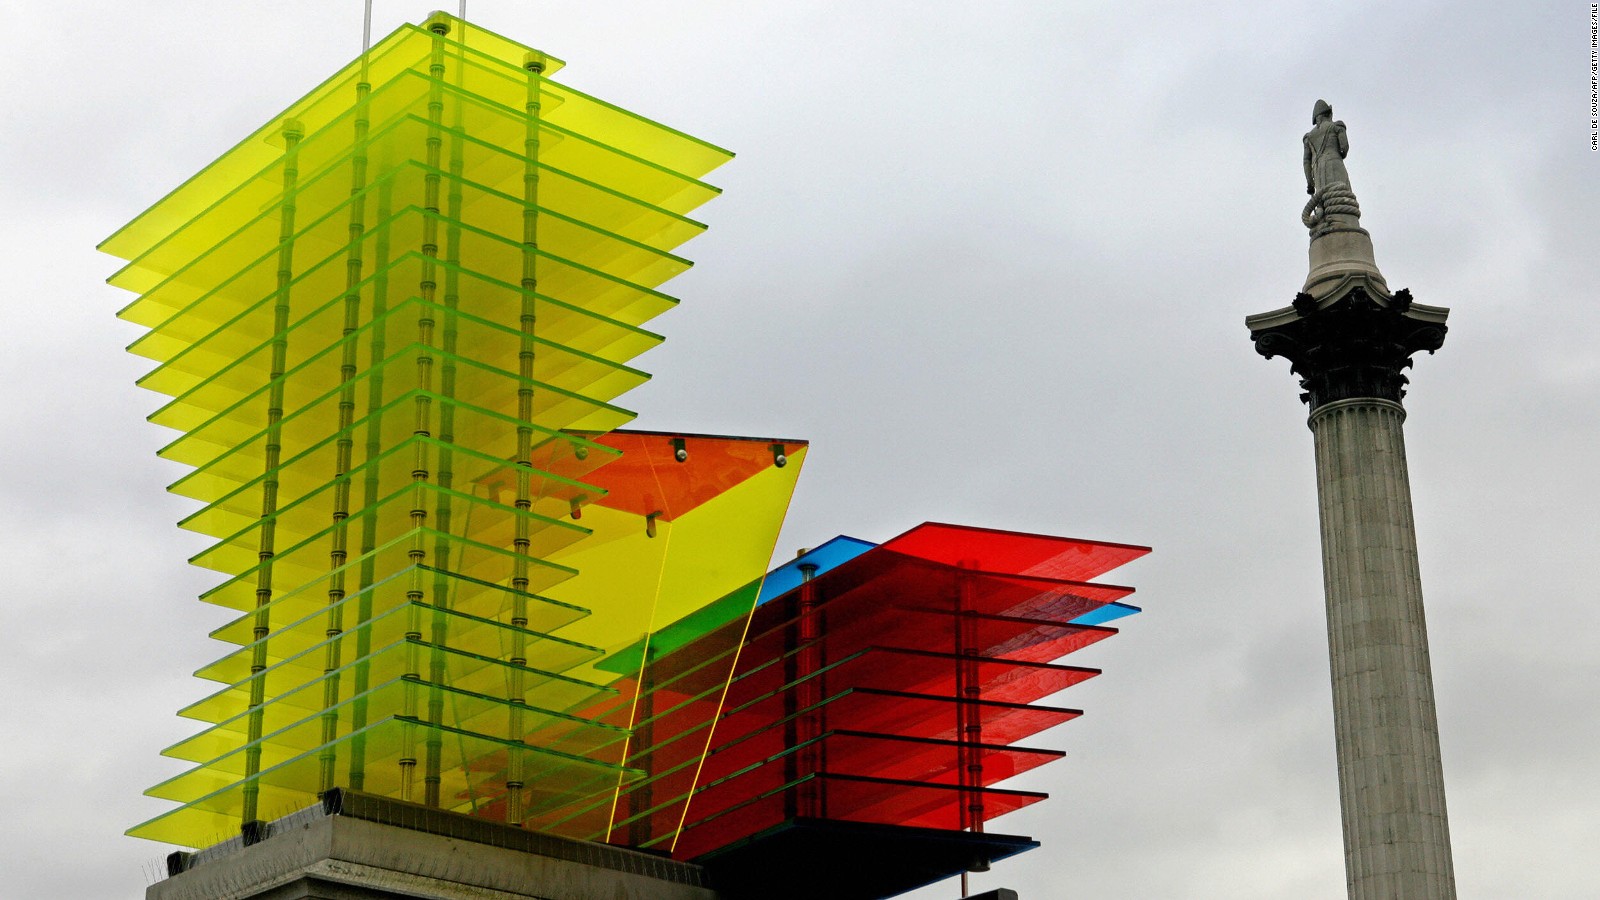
1321 111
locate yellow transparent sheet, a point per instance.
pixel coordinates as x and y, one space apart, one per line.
433 266
235 481
309 410
550 494
637 572
359 694
323 230
239 439
485 715
480 63
472 778
377 481
693 557
712 555
357 152
489 286
462 600
553 364
474 518
485 641
479 561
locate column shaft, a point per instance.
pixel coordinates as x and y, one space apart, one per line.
1391 783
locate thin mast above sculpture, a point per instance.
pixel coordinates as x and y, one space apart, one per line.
1350 339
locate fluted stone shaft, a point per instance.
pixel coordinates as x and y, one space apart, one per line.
1350 340
1391 783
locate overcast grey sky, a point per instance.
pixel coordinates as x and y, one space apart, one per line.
993 259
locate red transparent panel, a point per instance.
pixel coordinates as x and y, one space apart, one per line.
852 799
852 754
888 598
844 674
1006 637
890 578
1014 553
921 672
649 478
739 770
920 716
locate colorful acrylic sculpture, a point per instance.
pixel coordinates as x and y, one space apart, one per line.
879 696
392 324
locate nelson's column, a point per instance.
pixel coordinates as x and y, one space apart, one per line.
1350 339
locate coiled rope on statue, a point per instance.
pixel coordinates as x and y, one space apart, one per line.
1334 198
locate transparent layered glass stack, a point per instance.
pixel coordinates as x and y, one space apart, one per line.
392 325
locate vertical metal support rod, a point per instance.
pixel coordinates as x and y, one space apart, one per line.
969 717
293 131
445 478
377 350
528 320
810 723
338 553
791 709
422 427
642 798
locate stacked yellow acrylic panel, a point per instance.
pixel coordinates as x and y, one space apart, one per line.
392 323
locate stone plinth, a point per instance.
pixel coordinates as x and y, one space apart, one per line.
1342 255
369 848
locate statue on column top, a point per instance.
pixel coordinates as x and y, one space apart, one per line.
1327 181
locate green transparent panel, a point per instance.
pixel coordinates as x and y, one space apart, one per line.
484 518
482 713
332 172
566 192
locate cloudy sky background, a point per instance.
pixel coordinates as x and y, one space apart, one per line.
993 260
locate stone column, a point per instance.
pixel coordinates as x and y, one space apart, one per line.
1350 339
1391 783
1349 346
